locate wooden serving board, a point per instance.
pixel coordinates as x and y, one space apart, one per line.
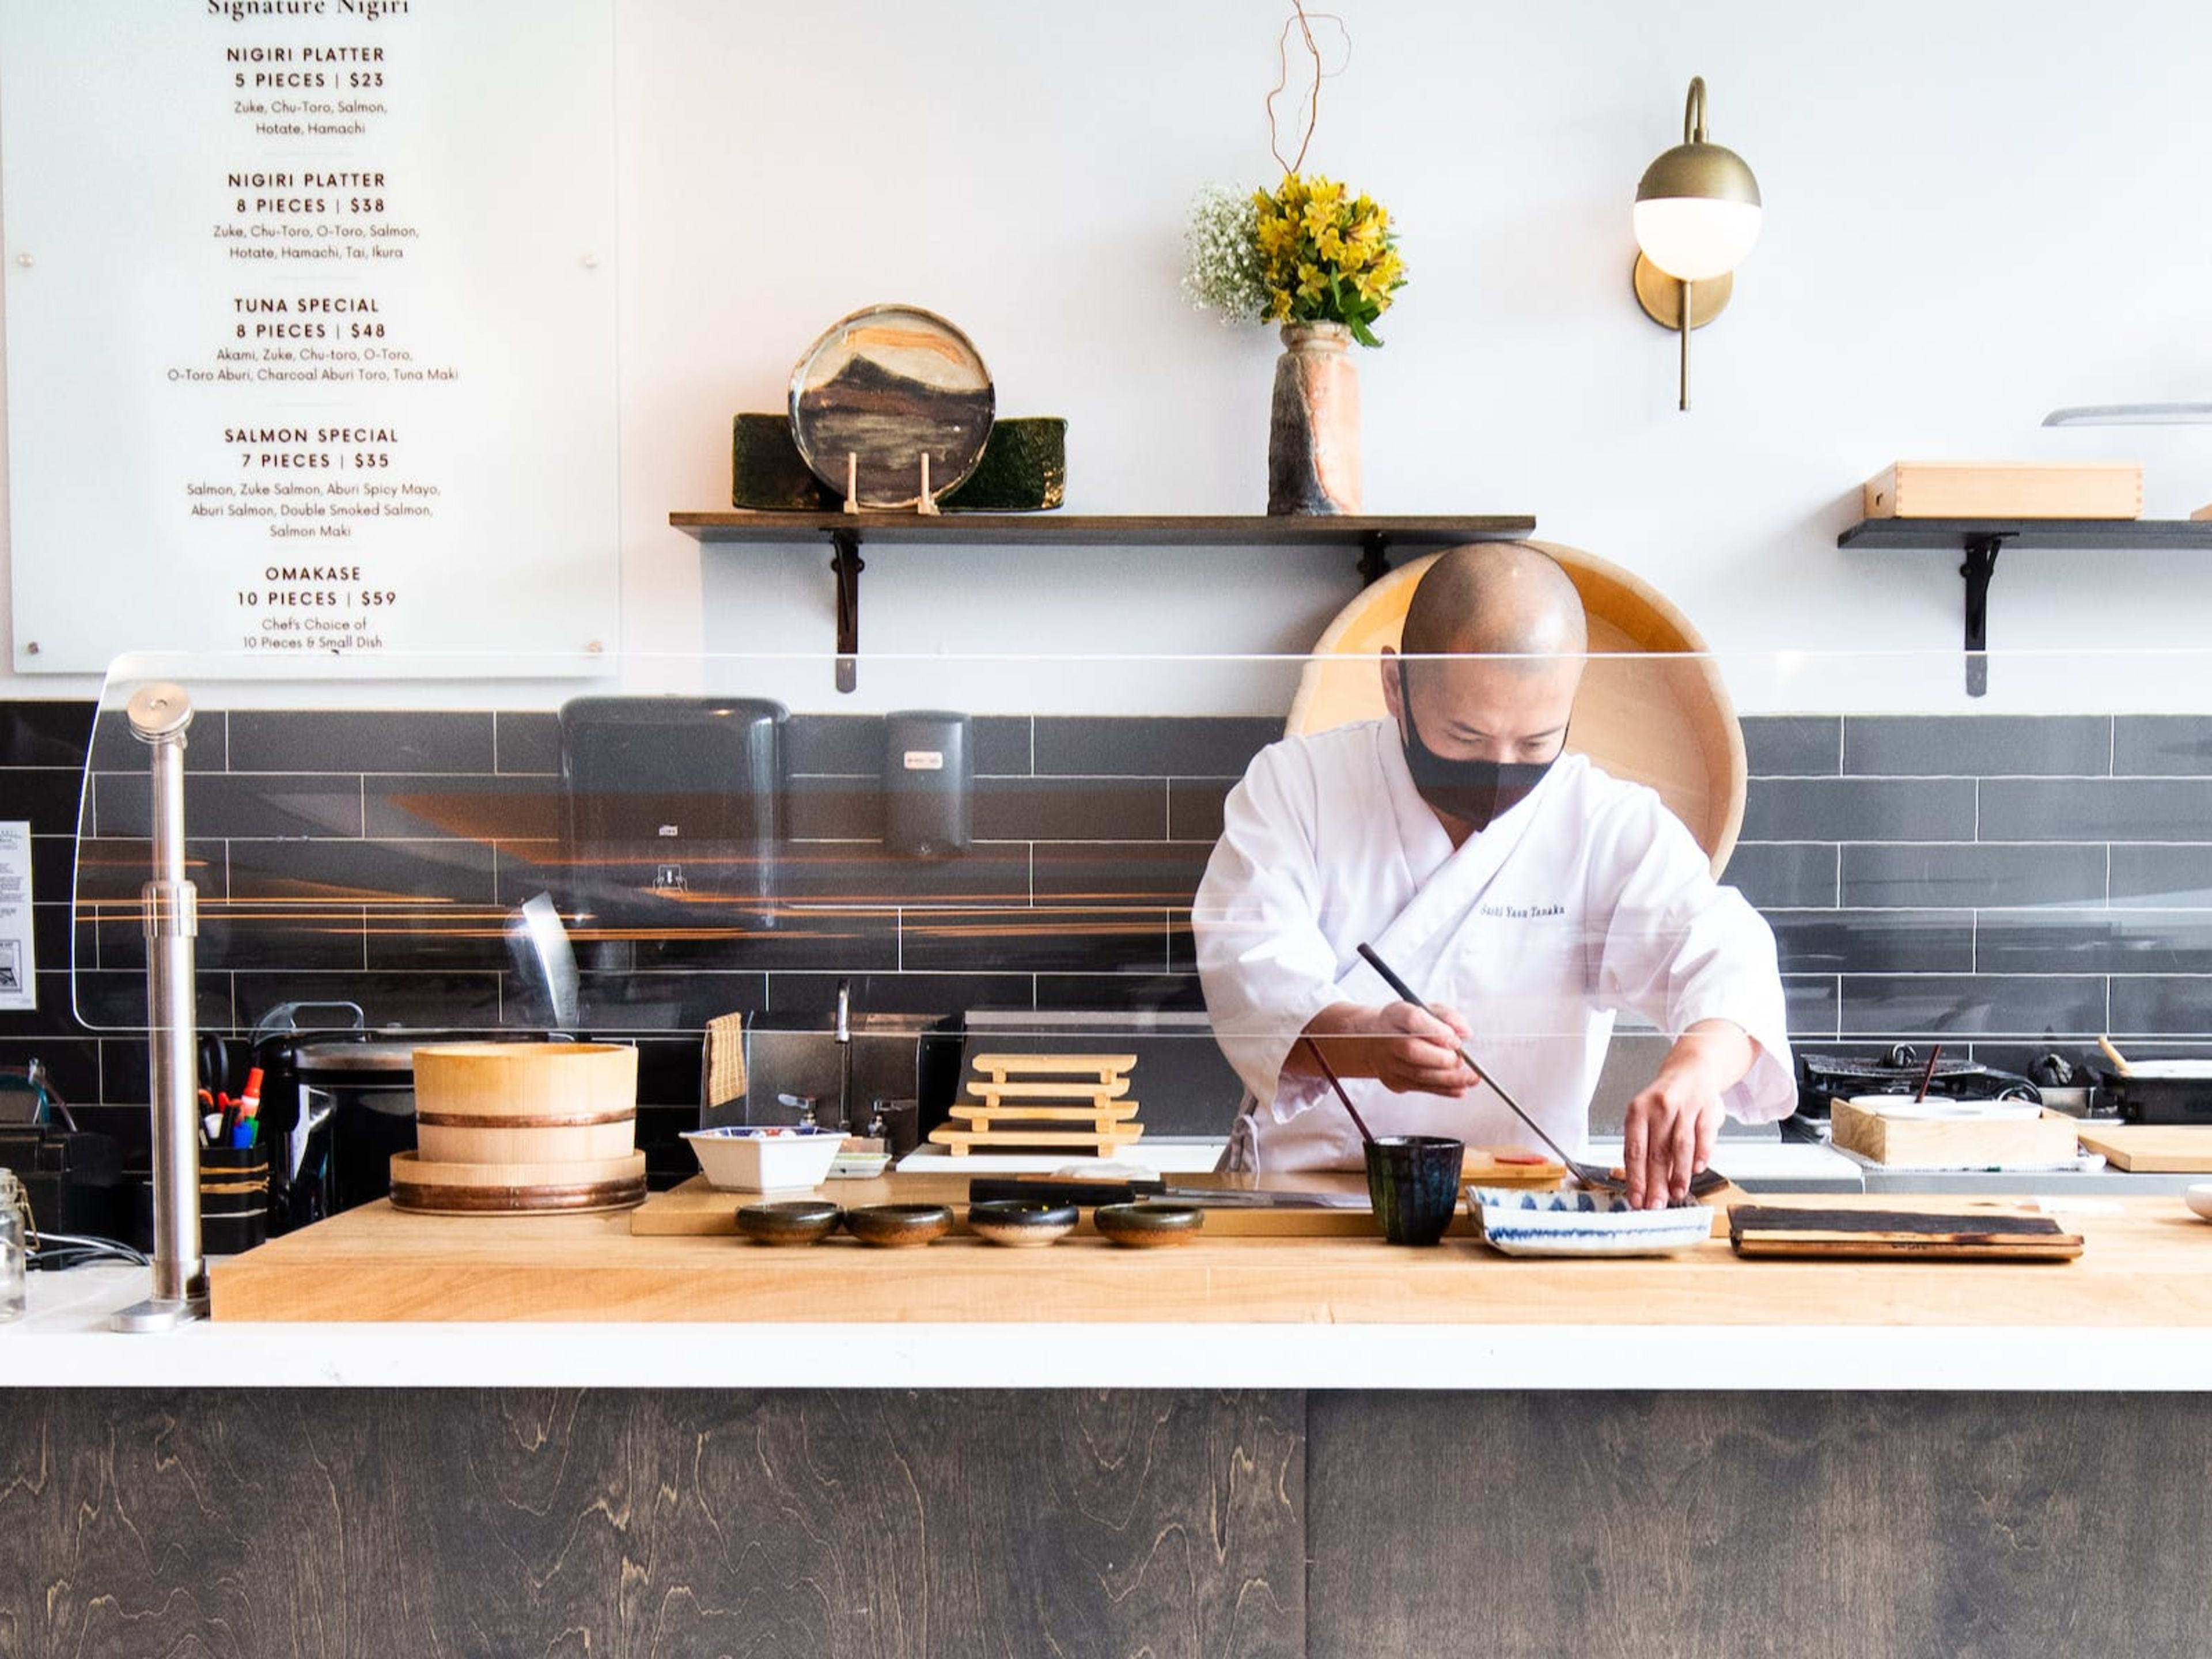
1104 1067
1759 1229
1105 1110
2153 1149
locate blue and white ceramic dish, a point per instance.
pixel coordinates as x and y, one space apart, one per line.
1582 1224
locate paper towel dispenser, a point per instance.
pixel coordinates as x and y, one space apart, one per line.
676 809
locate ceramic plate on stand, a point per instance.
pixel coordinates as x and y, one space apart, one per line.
882 386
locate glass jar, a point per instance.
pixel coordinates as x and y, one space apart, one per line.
11 1248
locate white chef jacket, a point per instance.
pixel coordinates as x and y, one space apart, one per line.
1586 898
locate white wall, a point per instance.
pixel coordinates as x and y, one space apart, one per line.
1975 212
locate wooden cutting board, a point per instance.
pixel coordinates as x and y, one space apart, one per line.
1760 1230
2153 1149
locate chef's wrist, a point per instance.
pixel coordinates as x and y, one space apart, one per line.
1711 1055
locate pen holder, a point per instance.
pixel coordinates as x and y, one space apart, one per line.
233 1197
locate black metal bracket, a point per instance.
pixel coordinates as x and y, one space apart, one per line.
1981 547
1374 556
847 566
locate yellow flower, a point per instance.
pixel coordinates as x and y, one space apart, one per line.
1330 245
1312 283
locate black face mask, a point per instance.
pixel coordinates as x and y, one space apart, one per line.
1474 791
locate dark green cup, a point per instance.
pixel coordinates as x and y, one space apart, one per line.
1413 1180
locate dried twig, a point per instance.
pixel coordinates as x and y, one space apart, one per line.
1303 20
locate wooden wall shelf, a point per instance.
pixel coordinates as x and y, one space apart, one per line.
1982 539
1374 539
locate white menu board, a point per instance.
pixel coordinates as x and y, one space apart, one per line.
19 961
310 327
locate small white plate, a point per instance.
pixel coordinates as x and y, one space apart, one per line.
1582 1224
2199 1199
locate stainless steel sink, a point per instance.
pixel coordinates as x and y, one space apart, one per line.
913 1058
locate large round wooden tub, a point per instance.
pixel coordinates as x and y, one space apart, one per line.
1668 724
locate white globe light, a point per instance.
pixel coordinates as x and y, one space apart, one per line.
1694 239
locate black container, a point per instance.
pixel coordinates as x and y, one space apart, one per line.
929 783
2159 1100
673 801
1413 1180
234 1198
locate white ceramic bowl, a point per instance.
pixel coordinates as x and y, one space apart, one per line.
1582 1224
2199 1199
753 1159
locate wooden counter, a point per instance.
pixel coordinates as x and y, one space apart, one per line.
2148 1266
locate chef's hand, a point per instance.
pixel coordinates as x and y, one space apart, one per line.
1671 1126
1406 1050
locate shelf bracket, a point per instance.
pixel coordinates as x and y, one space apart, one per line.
1374 556
846 564
1981 547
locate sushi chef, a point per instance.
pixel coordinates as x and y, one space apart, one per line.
1525 894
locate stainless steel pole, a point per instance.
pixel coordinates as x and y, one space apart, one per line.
159 715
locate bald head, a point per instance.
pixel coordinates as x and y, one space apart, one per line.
1496 599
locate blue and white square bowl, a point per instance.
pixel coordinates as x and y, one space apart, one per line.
1582 1224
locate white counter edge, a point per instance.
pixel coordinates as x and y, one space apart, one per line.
64 1344
1468 1357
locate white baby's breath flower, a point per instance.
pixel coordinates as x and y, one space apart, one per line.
1222 248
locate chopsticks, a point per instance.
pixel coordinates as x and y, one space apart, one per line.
1407 994
1327 1070
1928 1076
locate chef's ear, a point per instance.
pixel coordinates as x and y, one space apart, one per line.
1388 667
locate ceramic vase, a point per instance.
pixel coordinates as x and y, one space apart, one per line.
1312 436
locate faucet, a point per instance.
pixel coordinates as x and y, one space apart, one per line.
844 1039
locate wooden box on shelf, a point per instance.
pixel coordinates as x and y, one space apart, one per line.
2049 1137
2006 489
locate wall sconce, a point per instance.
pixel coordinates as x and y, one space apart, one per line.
1697 215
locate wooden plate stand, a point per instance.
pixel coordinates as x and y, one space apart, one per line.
1064 1101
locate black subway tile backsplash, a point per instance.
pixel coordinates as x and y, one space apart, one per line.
1784 874
2161 1005
364 740
46 796
834 809
2162 745
524 741
1812 1004
394 877
47 732
1195 808
1164 872
220 804
1874 941
853 744
1794 746
1860 809
1986 747
1132 993
2179 877
207 747
1088 940
419 1001
990 872
1150 747
2062 941
2109 810
1904 876
1072 809
1951 1005
1909 899
937 994
665 1001
479 807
